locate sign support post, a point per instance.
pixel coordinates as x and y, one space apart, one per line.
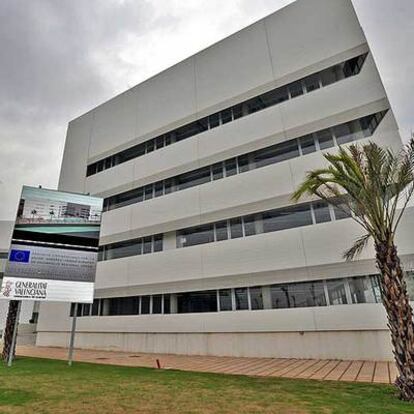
72 334
14 337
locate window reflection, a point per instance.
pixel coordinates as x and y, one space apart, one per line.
336 292
332 292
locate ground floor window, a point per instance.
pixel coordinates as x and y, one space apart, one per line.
325 292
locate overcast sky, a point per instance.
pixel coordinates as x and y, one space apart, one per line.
59 59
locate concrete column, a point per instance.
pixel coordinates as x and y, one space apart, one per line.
258 226
105 307
267 297
173 303
169 241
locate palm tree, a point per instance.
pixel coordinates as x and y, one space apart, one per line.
8 330
375 185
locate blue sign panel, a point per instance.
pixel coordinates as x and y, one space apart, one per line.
21 256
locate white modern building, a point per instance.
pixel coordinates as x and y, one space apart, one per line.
202 249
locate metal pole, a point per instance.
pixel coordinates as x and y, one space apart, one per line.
72 334
14 337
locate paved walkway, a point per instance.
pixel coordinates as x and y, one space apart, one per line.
359 371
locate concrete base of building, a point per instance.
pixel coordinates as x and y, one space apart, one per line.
345 345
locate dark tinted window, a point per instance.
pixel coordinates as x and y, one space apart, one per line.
156 303
295 89
343 134
167 304
311 83
237 111
214 120
241 299
148 192
321 211
249 225
280 296
226 116
336 292
129 305
287 218
86 309
225 299
306 294
158 241
205 301
325 139
256 298
147 245
121 249
276 96
218 171
145 305
95 307
307 144
159 186
236 228
276 153
231 167
221 231
341 212
197 235
243 162
193 178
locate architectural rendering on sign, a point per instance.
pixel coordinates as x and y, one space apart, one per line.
202 250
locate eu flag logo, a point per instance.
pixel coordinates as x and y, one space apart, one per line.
21 256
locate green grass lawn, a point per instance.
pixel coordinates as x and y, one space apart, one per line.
49 386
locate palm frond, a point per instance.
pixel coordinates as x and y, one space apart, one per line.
371 182
357 248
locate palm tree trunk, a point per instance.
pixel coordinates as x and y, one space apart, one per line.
400 316
8 331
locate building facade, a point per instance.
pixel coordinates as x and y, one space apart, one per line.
202 249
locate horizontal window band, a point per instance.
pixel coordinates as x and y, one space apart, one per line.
334 136
325 77
289 295
293 216
132 247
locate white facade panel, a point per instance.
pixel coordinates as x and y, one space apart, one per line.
73 170
167 98
114 122
221 75
301 39
307 32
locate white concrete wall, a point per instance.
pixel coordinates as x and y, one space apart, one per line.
346 345
301 39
